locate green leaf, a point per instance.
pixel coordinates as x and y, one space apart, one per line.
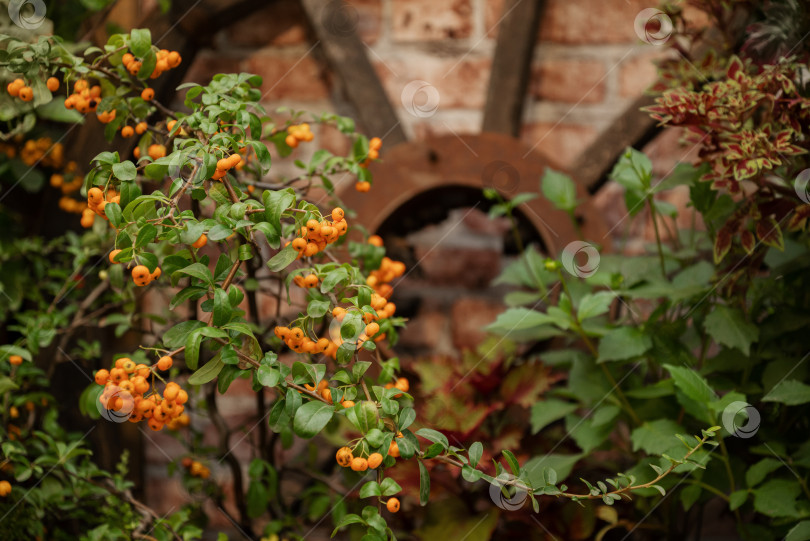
145 235
594 304
282 259
519 319
512 461
759 471
222 308
208 372
433 435
790 392
333 278
6 351
317 308
125 170
192 351
777 498
374 437
140 41
113 212
656 437
275 203
623 343
547 411
691 383
727 326
268 375
475 452
199 271
176 336
311 418
346 521
390 487
800 532
371 488
424 484
736 499
363 415
559 189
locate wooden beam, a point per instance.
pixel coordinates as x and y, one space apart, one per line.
511 65
634 128
346 54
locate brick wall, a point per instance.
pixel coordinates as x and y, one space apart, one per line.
588 63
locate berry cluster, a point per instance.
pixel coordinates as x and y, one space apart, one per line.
195 468
315 235
374 146
166 60
141 275
18 89
96 201
346 459
85 99
297 340
299 133
125 390
224 164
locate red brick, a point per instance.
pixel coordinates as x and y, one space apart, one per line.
469 316
590 21
562 142
288 76
431 20
426 330
369 18
280 23
460 83
637 74
456 266
569 81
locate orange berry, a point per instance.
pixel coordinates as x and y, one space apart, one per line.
156 151
299 244
140 127
375 143
375 240
291 141
13 88
337 214
297 334
148 94
392 505
112 256
164 363
52 83
393 449
402 384
127 131
155 424
141 275
362 187
347 404
94 196
173 59
372 329
182 397
344 456
26 93
5 488
127 59
311 281
156 274
374 460
200 242
16 360
102 376
326 394
359 464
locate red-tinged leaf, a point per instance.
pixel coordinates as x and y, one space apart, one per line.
735 69
770 233
524 385
798 220
748 241
722 244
